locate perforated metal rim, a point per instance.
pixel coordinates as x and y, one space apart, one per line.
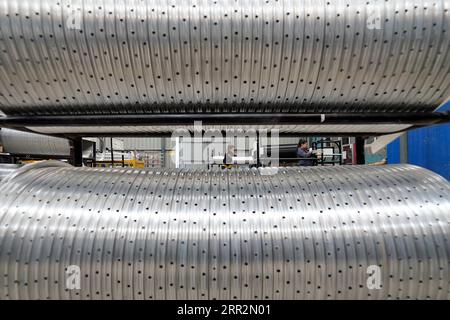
6 169
13 174
305 233
197 55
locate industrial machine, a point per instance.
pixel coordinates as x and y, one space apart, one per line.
271 69
330 151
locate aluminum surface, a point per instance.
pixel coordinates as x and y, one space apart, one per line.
7 168
117 56
27 143
305 233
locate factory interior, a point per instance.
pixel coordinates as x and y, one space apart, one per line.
224 150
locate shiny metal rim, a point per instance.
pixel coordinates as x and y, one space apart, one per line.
193 55
300 234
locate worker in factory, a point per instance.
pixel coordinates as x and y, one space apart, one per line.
306 155
228 159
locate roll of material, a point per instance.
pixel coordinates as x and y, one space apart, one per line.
27 143
354 232
117 56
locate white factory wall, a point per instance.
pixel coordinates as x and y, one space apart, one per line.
102 144
146 143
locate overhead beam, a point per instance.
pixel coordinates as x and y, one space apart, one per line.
170 134
227 119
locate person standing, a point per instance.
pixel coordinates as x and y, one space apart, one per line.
305 154
228 159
